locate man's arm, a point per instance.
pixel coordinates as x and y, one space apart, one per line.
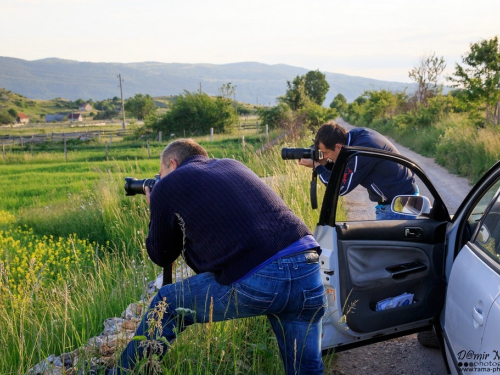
323 168
358 168
165 238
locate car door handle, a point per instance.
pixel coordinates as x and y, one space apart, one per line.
477 315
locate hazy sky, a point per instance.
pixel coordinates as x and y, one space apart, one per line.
380 39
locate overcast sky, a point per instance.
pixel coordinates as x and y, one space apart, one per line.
380 39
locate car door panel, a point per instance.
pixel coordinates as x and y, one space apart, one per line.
365 279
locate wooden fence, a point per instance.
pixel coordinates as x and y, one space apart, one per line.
60 137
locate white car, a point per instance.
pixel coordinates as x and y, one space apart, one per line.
391 278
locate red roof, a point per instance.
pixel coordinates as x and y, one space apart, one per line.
21 115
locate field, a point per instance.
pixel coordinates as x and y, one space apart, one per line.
72 252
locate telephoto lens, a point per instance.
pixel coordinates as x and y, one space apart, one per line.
134 186
296 153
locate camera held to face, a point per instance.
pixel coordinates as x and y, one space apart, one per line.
289 153
134 186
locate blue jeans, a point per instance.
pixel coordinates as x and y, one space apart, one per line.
384 212
288 291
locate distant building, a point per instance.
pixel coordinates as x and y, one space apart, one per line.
52 118
86 107
75 117
22 118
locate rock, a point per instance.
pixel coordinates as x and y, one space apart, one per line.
130 325
112 325
133 311
106 350
39 368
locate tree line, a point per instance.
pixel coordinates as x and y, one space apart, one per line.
475 93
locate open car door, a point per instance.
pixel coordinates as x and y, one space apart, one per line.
384 278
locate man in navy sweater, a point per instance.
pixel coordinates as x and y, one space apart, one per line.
382 179
252 256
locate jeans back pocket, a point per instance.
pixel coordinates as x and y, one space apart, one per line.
244 301
315 303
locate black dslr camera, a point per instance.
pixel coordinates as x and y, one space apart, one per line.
305 153
289 153
134 186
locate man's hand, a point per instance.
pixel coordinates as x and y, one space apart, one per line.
148 193
306 162
309 163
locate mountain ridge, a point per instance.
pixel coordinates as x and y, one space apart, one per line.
256 83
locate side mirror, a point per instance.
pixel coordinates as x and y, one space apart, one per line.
411 205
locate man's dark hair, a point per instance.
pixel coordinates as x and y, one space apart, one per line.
181 149
330 134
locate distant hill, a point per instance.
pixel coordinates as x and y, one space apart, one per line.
256 83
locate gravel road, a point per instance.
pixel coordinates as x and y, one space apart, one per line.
403 355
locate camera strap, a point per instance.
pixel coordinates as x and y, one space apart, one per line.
312 191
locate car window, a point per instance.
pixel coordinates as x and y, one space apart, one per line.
372 186
488 235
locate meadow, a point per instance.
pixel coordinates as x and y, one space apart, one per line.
72 252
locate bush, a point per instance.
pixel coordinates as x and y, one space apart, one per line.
195 114
6 118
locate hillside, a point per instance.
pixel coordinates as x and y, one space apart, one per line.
256 83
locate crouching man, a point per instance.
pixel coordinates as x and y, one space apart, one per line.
252 256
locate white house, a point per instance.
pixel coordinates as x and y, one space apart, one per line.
85 107
75 117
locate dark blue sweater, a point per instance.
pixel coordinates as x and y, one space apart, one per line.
383 179
232 220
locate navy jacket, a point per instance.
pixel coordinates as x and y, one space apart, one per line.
382 179
221 217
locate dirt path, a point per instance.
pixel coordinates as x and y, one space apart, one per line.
402 355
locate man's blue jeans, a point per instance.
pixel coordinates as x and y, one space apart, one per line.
288 291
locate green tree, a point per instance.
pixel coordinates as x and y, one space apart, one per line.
279 116
314 115
480 78
296 96
339 103
426 75
12 112
316 86
140 106
105 115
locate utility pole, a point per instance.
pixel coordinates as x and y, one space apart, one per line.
200 87
121 93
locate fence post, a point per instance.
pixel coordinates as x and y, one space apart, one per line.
21 140
257 126
159 137
243 142
110 139
211 134
267 131
65 149
149 154
3 150
106 146
32 151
